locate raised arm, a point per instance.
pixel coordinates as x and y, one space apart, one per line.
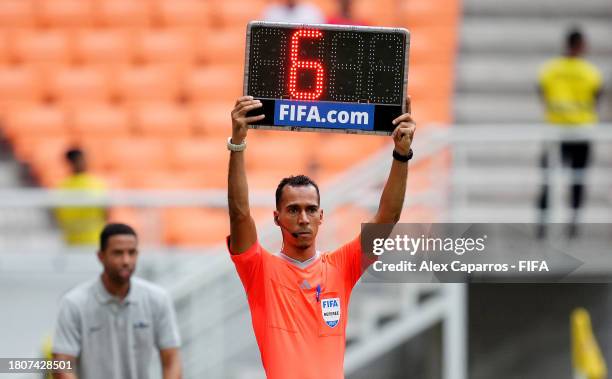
392 198
242 227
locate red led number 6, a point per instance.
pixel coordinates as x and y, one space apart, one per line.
308 65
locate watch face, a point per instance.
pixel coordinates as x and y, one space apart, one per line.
324 77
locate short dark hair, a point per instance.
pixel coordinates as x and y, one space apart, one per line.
574 38
295 181
113 230
73 154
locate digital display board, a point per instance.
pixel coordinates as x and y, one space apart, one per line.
327 77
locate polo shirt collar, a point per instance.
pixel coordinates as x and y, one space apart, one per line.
105 297
300 264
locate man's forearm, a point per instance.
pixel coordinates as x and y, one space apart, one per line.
237 187
172 370
392 198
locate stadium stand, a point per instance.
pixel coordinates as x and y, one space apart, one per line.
150 83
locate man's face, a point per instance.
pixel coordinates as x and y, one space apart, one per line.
299 215
119 257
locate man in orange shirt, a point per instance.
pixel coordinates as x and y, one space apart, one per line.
299 298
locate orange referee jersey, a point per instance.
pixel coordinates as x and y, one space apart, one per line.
299 314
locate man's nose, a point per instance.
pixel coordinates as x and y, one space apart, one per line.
303 218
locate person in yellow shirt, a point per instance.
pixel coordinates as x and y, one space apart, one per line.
81 225
570 88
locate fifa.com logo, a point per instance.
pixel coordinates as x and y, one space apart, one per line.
422 244
310 113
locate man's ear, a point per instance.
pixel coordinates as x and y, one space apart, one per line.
100 254
276 217
321 216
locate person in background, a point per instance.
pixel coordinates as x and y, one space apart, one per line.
81 225
294 11
109 326
570 88
345 17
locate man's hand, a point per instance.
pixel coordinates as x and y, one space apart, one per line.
239 120
404 131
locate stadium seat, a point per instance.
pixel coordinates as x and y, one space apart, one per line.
223 47
427 13
33 46
234 14
41 120
19 84
147 83
133 154
103 46
380 12
195 227
132 13
214 83
65 13
339 152
166 45
24 146
163 120
79 84
17 13
165 180
100 120
284 151
198 154
212 119
181 13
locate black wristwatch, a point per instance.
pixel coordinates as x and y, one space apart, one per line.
402 158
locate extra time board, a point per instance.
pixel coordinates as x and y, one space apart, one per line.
327 77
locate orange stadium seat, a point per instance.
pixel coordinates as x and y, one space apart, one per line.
339 152
212 119
234 14
163 120
33 46
132 13
280 150
97 120
4 47
24 146
432 44
165 45
147 83
65 13
137 154
199 154
214 83
17 13
423 77
103 46
79 84
165 180
329 8
380 12
192 13
195 227
40 120
19 84
225 47
424 13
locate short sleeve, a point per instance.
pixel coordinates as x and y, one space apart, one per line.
67 338
349 258
166 329
248 264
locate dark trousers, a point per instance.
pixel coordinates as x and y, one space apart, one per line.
574 154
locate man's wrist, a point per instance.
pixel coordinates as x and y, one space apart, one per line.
402 157
234 146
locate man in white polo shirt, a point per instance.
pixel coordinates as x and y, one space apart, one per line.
110 326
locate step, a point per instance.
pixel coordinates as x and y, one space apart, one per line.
595 8
532 35
496 73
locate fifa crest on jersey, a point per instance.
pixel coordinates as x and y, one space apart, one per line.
331 311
